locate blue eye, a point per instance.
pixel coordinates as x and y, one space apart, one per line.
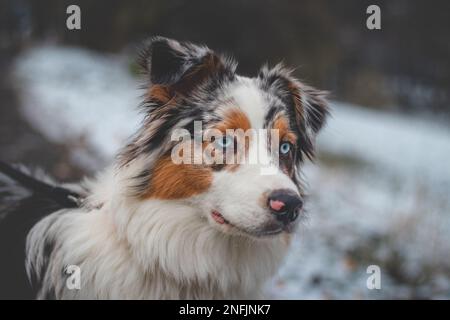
285 147
225 141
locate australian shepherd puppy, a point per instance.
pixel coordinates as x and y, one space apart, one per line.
153 227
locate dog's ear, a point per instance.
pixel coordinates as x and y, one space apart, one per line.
307 105
181 66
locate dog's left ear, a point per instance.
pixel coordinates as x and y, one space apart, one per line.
307 105
178 67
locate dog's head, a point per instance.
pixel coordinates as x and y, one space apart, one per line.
227 145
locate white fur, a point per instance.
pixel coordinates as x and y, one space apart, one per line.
241 197
150 249
249 97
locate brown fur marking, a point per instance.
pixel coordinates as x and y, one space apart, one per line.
159 93
281 123
285 134
235 119
177 181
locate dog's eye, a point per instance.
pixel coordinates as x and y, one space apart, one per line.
225 141
285 147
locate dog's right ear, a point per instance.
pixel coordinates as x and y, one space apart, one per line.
181 66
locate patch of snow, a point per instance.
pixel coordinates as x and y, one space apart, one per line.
403 144
75 96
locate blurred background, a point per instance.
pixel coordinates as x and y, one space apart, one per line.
379 191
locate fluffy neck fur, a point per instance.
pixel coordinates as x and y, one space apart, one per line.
132 249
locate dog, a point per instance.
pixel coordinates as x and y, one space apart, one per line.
149 228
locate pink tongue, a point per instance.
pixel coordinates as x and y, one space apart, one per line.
276 205
218 217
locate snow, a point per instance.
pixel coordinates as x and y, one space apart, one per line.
75 88
405 145
379 193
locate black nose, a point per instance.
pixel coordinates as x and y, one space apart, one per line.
285 205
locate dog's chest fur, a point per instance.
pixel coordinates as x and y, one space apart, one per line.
159 250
